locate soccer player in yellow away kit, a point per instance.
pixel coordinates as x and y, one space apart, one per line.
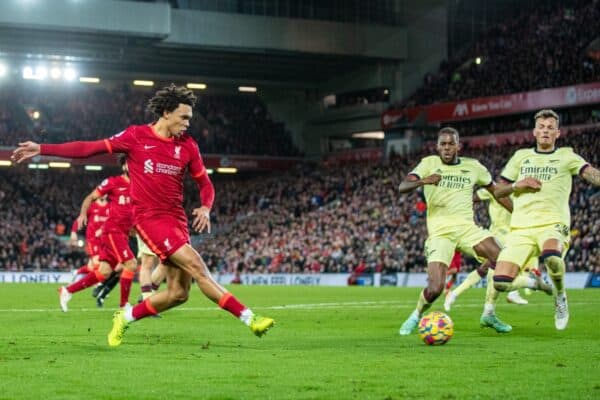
448 185
500 227
541 218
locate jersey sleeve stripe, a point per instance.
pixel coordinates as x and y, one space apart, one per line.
199 174
114 249
149 242
506 179
108 146
583 168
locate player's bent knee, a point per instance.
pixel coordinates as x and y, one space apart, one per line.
178 296
553 262
503 283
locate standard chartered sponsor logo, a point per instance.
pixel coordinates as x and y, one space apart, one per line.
167 169
160 168
148 167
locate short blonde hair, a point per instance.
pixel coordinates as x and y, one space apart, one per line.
546 113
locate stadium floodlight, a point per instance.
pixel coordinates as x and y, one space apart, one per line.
380 135
28 73
5 163
143 83
247 89
55 73
89 79
80 243
3 70
478 60
210 171
200 86
37 166
93 167
227 170
70 74
35 114
41 72
59 164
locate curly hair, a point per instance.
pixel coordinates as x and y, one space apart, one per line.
168 99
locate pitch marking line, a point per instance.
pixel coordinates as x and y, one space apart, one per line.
309 306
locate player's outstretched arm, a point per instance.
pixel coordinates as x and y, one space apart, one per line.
85 205
525 185
505 202
207 197
591 175
411 182
27 150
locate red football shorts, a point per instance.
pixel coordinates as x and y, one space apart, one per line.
164 234
115 248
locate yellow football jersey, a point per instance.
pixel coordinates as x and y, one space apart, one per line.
555 170
499 216
451 201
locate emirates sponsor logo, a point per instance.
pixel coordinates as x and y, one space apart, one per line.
148 167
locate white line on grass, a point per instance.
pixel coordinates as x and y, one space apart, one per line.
309 306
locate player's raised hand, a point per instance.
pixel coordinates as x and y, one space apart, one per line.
25 151
528 185
201 219
433 179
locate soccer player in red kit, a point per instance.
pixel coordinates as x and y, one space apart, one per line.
96 215
114 243
158 155
453 270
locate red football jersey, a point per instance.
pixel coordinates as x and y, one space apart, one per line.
96 216
120 217
157 167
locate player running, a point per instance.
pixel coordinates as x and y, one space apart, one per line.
499 226
448 182
158 156
97 214
541 219
114 248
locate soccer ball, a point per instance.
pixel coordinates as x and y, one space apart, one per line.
436 328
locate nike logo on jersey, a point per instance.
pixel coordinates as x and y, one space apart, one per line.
465 171
121 189
526 162
146 147
553 161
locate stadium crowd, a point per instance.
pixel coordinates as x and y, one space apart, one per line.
311 219
539 48
222 124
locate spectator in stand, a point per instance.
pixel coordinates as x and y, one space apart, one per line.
539 48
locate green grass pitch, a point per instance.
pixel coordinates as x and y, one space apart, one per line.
329 343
